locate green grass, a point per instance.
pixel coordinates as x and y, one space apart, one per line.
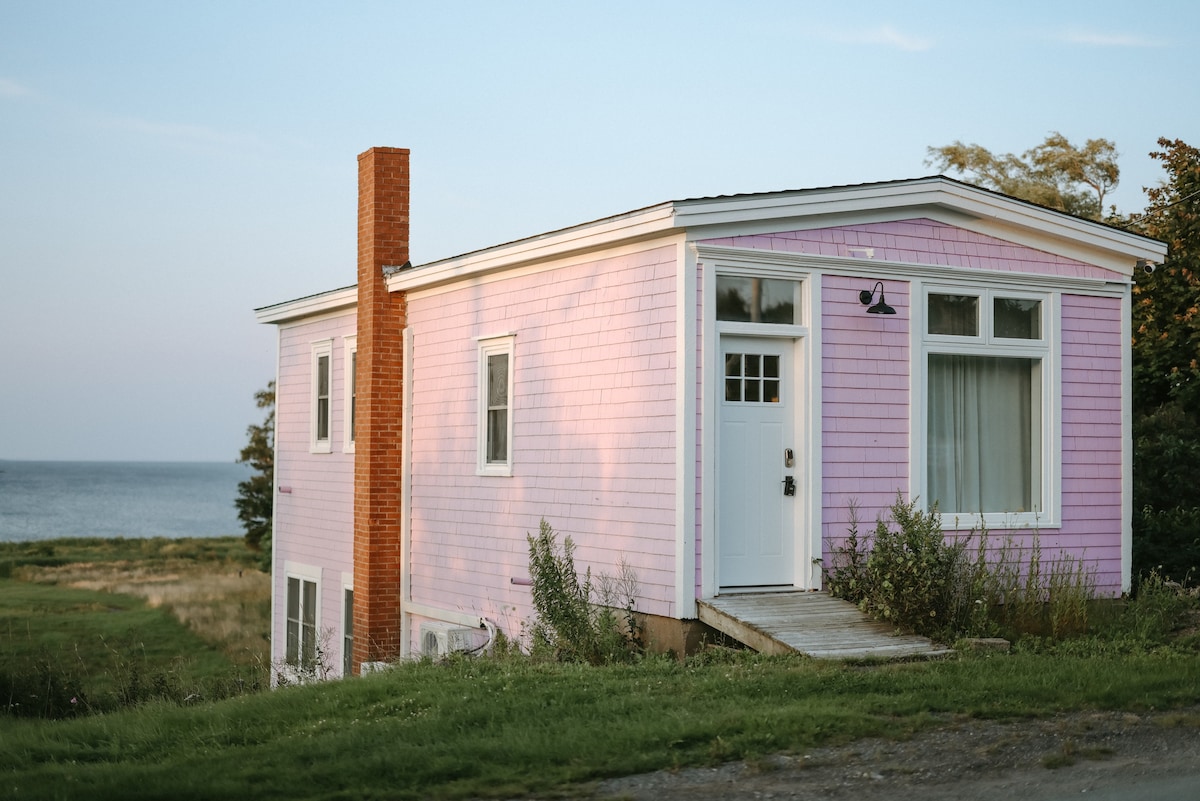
93 624
100 648
501 728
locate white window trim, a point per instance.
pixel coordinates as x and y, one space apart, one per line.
1048 350
349 360
491 346
303 573
320 348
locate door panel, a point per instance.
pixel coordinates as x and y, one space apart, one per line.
755 518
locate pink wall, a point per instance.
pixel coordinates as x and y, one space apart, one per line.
865 423
593 432
317 516
920 241
1091 435
865 402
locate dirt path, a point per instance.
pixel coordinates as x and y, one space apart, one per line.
1101 754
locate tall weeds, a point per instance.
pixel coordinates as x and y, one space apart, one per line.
579 620
909 574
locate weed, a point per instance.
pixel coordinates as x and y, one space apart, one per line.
1157 609
914 577
578 620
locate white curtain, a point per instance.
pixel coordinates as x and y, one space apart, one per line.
984 434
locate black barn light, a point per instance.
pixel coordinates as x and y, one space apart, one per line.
866 296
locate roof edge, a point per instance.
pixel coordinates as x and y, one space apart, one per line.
332 300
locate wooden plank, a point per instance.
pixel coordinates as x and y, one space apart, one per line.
811 623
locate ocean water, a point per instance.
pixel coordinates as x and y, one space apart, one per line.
45 500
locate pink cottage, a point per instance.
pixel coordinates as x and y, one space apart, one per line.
701 388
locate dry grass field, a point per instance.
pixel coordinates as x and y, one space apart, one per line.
212 587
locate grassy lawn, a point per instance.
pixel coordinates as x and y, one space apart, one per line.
178 620
500 728
112 621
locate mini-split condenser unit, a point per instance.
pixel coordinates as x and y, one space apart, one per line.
440 639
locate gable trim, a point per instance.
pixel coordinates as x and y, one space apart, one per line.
844 265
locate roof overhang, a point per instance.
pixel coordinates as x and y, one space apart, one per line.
936 197
335 300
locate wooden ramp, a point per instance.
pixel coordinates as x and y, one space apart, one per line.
811 623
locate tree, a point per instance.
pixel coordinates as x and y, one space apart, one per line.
1166 373
1166 303
256 495
1055 173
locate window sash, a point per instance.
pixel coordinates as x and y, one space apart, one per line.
347 632
495 421
989 442
322 398
497 408
353 392
301 626
320 395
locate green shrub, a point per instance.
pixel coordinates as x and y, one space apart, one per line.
577 620
908 574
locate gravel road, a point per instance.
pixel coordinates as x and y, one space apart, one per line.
1097 755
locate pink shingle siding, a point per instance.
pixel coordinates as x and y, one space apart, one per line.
593 432
865 403
920 241
1091 433
317 513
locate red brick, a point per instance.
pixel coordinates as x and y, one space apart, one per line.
383 201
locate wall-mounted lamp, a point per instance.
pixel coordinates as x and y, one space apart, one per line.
866 296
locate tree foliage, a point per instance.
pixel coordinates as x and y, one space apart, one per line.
1166 303
1166 373
256 495
1055 173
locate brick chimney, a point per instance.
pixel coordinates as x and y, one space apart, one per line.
383 191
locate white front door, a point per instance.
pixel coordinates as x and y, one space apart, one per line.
757 464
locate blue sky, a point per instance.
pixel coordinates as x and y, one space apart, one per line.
166 167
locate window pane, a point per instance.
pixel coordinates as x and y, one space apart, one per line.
497 444
353 391
322 397
308 623
954 315
1018 319
984 430
323 418
292 654
322 376
498 380
752 378
757 300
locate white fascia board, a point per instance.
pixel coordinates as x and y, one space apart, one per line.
334 300
753 258
634 226
936 198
